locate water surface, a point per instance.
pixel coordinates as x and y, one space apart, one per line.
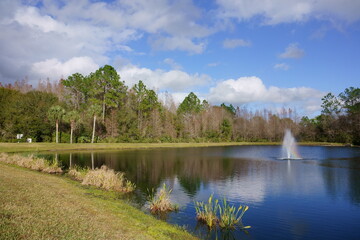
317 197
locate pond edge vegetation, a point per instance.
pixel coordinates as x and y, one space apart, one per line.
225 216
160 203
103 177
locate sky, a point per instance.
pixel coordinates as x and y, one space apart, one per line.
249 53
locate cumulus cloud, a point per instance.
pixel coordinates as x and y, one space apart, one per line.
292 51
252 89
36 31
55 69
282 66
173 80
285 11
233 43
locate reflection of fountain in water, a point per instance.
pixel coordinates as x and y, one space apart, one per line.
289 146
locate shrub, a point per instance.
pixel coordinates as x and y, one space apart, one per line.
161 202
108 179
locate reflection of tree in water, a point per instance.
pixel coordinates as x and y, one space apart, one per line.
354 180
340 179
191 185
149 168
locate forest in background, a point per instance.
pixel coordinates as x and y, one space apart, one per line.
99 107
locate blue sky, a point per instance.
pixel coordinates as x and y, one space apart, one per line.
254 53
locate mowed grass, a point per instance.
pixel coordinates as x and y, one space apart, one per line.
37 147
36 205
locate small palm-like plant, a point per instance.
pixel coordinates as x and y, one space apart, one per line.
230 216
55 114
206 212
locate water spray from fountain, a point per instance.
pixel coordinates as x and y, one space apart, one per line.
289 146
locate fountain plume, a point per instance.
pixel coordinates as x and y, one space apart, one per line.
289 146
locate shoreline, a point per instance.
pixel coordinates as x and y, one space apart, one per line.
45 147
36 205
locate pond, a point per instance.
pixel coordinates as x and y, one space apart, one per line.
316 197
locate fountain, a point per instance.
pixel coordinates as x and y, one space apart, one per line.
289 147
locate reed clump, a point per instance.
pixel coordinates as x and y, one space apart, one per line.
77 173
32 162
161 202
206 212
225 216
230 216
108 179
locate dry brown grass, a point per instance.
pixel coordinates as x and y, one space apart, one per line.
77 174
31 162
108 179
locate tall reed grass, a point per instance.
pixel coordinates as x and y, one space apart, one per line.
106 178
224 215
31 162
206 212
161 202
230 216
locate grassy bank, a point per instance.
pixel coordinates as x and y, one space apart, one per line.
37 147
36 205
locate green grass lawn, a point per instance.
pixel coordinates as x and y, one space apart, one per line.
36 205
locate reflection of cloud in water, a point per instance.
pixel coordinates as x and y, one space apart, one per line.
178 196
250 189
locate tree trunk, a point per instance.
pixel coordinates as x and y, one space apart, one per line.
103 108
57 131
71 133
93 133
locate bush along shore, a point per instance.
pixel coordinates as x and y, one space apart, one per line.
43 206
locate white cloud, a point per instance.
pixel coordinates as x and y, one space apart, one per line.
174 80
285 11
292 51
233 43
282 66
252 90
35 31
171 62
177 43
55 69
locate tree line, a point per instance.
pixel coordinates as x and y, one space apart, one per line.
99 107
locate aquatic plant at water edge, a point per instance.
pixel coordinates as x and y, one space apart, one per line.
31 162
77 173
161 202
108 179
227 217
206 212
230 216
